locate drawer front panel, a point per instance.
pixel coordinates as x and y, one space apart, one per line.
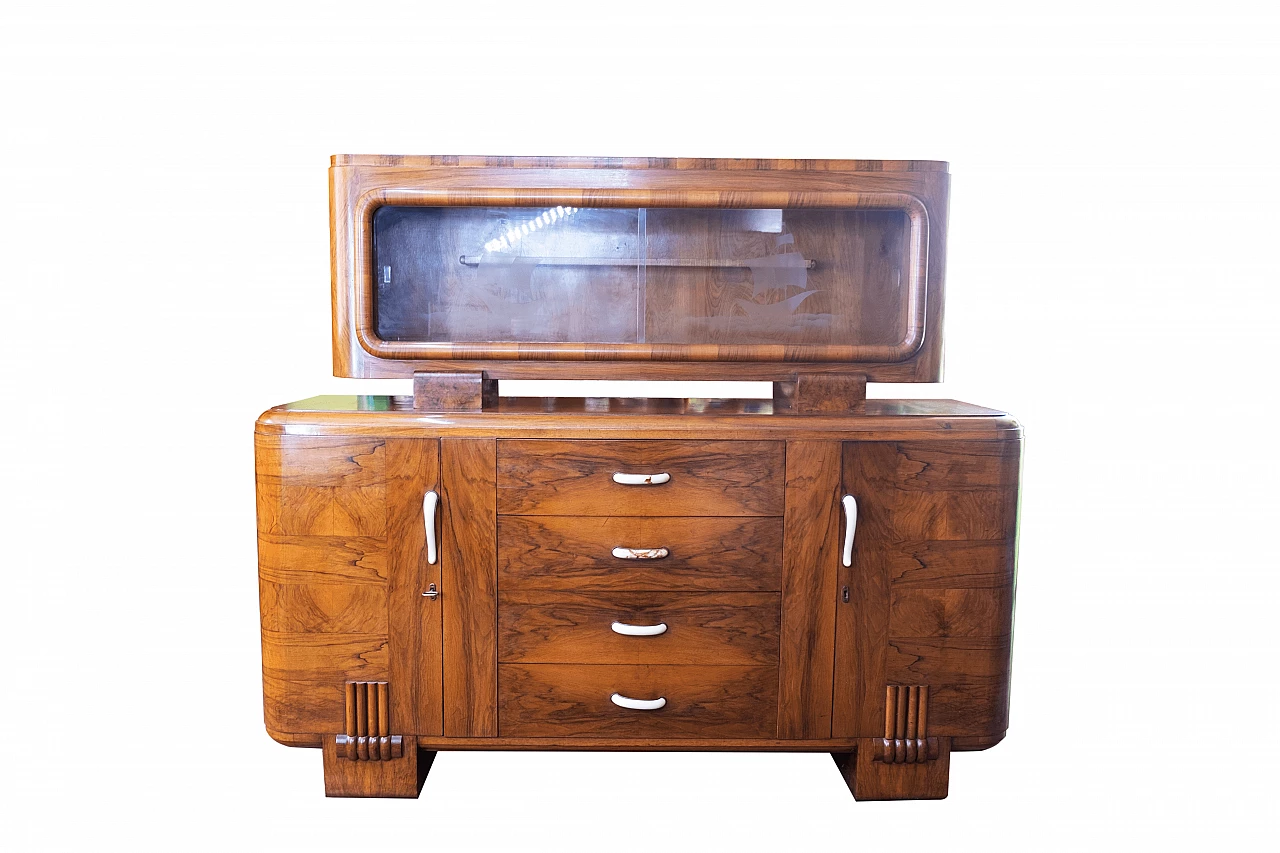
697 628
717 553
701 478
570 700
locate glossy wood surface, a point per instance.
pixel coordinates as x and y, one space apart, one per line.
398 778
469 586
324 569
931 584
636 419
809 588
415 634
575 552
576 478
567 700
701 628
761 651
359 186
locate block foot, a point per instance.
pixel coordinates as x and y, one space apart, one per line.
375 777
870 777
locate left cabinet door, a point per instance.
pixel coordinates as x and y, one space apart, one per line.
342 565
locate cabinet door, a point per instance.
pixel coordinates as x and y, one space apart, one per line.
341 566
930 588
413 471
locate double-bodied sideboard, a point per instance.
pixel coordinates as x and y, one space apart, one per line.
457 570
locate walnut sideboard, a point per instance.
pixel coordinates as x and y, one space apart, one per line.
484 581
456 570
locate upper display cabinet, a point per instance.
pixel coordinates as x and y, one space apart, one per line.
619 268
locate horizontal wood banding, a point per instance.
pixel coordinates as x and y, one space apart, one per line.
947 613
571 553
328 608
567 700
322 559
702 628
576 478
304 677
947 661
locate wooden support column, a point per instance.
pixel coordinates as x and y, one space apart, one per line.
822 394
454 392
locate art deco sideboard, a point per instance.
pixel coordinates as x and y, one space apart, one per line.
458 570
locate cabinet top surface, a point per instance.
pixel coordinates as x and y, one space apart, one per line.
419 161
600 417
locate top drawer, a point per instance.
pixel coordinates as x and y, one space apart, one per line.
674 477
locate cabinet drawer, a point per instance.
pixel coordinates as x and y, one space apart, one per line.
570 700
572 553
696 628
690 477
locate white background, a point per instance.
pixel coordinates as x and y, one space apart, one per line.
1112 281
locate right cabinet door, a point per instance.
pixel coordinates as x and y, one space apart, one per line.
927 600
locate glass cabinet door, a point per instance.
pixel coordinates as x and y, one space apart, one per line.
660 276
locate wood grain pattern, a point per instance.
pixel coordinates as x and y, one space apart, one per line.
322 559
469 586
576 478
571 553
809 588
323 608
415 629
419 161
568 419
871 779
944 613
820 393
568 700
303 676
933 582
439 391
702 628
398 777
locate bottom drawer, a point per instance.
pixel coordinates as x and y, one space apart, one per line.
558 700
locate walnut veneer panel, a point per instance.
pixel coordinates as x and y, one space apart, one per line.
569 700
323 570
574 552
701 628
576 478
809 588
469 587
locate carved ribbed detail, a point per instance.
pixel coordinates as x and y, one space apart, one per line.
906 726
368 726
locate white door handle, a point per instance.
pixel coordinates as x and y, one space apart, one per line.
850 525
641 479
639 630
429 502
640 553
638 704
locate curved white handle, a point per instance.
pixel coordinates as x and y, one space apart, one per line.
640 553
641 479
850 525
638 704
639 630
429 502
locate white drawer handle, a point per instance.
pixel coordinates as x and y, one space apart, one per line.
640 553
429 502
639 630
641 479
638 704
850 525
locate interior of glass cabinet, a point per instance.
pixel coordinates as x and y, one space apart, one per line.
641 275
